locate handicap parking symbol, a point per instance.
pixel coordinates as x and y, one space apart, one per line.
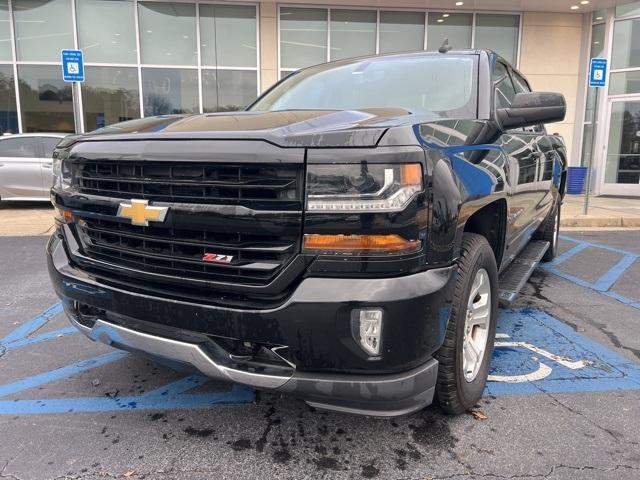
536 353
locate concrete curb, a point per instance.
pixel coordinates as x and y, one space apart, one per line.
591 221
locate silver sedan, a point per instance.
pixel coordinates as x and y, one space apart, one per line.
25 165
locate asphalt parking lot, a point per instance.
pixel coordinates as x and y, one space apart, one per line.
563 400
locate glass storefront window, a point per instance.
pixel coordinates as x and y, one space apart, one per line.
401 31
45 99
228 35
599 15
169 91
8 111
498 33
5 32
623 155
42 29
167 33
228 90
109 95
621 83
626 41
628 10
455 26
303 37
353 33
106 31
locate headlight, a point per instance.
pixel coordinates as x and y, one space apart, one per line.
365 187
61 170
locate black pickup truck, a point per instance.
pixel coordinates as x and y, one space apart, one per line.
347 238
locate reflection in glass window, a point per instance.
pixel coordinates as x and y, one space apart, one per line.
353 33
169 90
498 33
621 83
228 90
8 111
629 10
43 28
303 37
626 38
109 95
401 31
5 32
455 26
45 99
106 30
228 35
167 33
505 91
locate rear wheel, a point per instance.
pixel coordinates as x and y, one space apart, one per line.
465 356
549 232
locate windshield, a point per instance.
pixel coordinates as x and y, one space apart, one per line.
419 83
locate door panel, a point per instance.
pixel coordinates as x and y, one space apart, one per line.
20 168
524 168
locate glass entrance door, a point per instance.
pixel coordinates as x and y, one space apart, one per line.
622 169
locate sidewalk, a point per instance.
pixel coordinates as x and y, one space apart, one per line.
603 212
36 218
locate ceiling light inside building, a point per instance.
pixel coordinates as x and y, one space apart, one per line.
440 20
584 2
574 7
599 18
459 4
445 15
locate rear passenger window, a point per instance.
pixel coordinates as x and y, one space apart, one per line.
18 147
504 88
48 144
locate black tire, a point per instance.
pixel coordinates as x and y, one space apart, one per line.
454 392
549 231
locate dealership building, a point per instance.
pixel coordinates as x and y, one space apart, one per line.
146 58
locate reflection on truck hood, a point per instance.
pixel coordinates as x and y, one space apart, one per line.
291 128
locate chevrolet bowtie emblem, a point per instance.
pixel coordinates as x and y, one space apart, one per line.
141 213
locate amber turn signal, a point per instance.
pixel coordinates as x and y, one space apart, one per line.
411 174
64 216
359 243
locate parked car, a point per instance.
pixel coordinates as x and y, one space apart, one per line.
26 165
346 239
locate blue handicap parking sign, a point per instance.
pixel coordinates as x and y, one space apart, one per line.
72 66
598 72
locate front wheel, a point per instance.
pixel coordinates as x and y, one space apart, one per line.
465 356
549 232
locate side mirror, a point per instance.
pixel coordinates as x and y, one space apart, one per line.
531 109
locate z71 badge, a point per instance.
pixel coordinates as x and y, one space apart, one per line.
217 258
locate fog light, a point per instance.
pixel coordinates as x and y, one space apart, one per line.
366 328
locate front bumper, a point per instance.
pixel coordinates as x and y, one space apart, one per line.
323 364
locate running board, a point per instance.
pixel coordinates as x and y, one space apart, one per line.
516 275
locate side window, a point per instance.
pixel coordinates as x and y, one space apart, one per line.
503 86
48 144
520 83
18 147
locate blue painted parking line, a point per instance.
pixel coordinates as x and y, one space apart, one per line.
604 284
537 353
534 353
170 396
32 325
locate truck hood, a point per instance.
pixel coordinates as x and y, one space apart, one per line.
291 128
